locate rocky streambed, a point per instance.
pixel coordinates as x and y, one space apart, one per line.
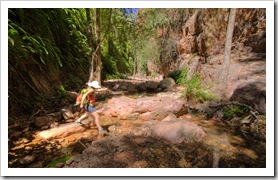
144 131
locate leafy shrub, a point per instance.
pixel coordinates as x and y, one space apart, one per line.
153 74
233 111
57 161
115 76
179 75
73 82
193 88
62 92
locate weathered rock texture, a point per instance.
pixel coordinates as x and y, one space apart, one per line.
66 129
200 41
253 94
203 32
176 131
147 108
143 149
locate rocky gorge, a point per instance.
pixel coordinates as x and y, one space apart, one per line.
149 123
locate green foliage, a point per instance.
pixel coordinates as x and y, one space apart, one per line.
182 78
262 116
117 48
163 26
57 161
234 111
168 49
147 43
176 75
51 38
153 74
156 25
115 60
193 88
73 82
45 41
147 51
62 92
155 18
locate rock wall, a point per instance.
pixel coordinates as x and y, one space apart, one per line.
200 43
203 33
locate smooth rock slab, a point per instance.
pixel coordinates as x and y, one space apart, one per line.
66 129
148 108
176 131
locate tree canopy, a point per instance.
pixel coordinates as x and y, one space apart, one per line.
49 49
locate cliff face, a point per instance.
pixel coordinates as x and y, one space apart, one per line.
200 41
203 33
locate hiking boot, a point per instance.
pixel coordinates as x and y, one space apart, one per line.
102 131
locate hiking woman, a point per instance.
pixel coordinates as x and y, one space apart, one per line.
87 102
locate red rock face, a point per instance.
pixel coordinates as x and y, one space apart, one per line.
204 33
150 108
152 68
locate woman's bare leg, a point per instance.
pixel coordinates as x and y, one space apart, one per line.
96 116
84 116
100 129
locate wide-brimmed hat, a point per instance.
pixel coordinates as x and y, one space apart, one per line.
94 84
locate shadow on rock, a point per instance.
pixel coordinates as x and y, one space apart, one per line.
133 151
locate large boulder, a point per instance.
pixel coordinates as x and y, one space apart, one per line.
253 94
44 120
67 114
141 86
119 106
257 42
152 85
176 131
167 83
148 108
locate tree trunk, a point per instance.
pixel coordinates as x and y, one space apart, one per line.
223 75
98 65
97 53
135 60
90 27
90 42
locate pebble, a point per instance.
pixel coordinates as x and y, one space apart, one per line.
59 147
16 135
112 128
188 116
71 139
48 147
44 127
36 165
25 129
59 165
28 148
27 160
25 140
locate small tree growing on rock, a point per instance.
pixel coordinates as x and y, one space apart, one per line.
223 74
